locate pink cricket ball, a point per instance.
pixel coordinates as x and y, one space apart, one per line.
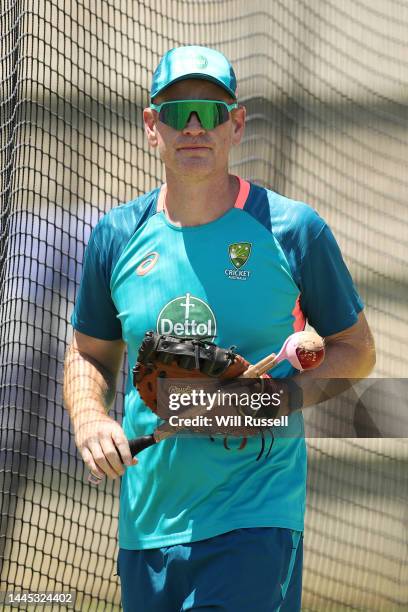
310 350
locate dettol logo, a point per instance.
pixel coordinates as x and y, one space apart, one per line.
187 316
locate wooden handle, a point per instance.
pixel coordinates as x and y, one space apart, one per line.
256 370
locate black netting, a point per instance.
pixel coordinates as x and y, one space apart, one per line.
326 92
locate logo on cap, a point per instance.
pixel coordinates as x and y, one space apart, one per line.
201 62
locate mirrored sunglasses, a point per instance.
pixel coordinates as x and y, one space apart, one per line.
211 113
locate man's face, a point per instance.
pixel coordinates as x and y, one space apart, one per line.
193 151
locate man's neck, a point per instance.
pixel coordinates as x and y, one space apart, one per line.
188 203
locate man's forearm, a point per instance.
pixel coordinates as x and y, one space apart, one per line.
88 387
89 391
344 363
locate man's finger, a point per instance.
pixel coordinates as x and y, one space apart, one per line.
103 453
112 455
122 446
90 463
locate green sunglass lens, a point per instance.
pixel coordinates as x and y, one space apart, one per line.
210 114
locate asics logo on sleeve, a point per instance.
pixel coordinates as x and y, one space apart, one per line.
149 261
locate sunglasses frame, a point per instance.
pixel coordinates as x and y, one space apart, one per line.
229 107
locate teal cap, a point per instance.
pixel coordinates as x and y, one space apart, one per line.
193 62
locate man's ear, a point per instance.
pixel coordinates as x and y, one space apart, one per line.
238 117
149 121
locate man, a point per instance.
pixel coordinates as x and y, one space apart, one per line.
203 527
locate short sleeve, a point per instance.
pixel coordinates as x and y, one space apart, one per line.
329 299
95 313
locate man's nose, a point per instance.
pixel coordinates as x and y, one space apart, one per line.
193 125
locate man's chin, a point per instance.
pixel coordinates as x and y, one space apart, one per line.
195 167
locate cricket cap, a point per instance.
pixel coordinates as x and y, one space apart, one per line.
193 62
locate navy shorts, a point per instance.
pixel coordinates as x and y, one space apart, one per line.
239 571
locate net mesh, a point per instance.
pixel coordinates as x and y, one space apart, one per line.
325 88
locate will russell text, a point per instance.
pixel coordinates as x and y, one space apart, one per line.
227 421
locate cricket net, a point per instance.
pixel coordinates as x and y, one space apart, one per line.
325 88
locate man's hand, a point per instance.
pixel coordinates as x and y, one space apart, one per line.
350 356
103 445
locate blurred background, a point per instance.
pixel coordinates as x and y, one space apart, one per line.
325 85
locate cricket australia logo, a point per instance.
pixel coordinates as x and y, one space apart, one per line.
239 253
187 316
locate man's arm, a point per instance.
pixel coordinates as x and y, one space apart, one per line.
91 369
350 354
